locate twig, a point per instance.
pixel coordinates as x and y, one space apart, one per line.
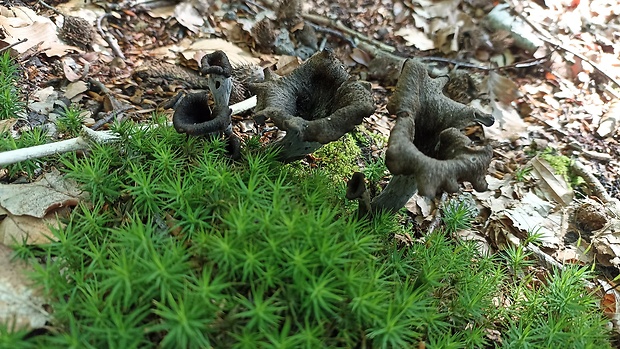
583 58
80 143
333 32
243 105
110 115
521 64
20 41
51 8
104 90
109 38
316 19
591 181
253 3
83 141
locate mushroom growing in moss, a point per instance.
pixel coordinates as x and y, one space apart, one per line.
427 152
316 104
192 114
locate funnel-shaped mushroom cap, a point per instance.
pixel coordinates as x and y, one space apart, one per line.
426 141
318 100
193 116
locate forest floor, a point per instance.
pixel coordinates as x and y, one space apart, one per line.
548 72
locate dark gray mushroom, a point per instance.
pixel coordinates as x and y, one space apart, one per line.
316 104
192 114
427 152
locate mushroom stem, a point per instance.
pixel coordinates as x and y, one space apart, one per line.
356 190
396 194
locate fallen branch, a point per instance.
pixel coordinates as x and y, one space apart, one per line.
84 141
111 40
595 185
320 20
80 143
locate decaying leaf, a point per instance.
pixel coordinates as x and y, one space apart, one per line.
607 244
610 121
22 22
509 126
75 88
502 88
534 215
37 199
554 186
195 50
29 230
415 37
21 306
188 16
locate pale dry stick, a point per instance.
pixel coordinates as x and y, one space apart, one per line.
591 181
84 141
111 40
79 143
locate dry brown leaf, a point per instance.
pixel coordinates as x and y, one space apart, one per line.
433 9
610 121
573 255
188 16
415 37
533 215
21 305
360 57
553 186
75 88
38 29
480 241
70 74
37 199
508 125
236 55
607 243
7 124
502 88
30 230
45 100
163 12
286 64
420 206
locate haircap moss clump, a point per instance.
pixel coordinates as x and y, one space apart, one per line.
181 248
10 99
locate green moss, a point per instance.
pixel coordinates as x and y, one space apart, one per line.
339 159
10 101
183 248
562 166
